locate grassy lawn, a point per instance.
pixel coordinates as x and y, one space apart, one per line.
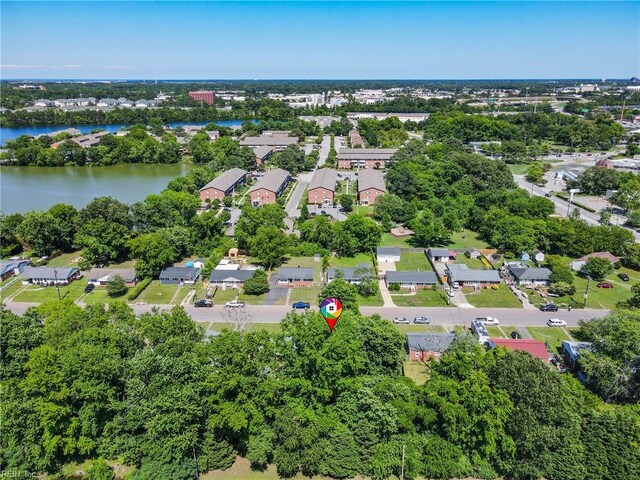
351 262
472 263
466 238
389 240
552 336
495 332
372 301
421 328
365 210
11 289
423 298
99 295
34 293
64 260
241 470
416 371
519 169
307 294
488 297
125 264
252 327
306 262
156 293
413 261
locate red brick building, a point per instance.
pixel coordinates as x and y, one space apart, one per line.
365 157
222 185
269 187
206 96
322 188
370 186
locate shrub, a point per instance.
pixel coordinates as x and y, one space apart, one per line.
116 286
138 289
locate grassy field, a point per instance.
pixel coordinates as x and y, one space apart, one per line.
34 293
99 295
64 260
351 262
413 261
159 294
389 240
495 332
422 298
518 169
421 328
306 262
488 297
472 263
252 327
11 289
416 371
372 301
307 294
466 238
552 336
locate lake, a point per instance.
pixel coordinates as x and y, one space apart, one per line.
38 188
9 133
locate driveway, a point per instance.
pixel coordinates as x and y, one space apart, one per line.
276 293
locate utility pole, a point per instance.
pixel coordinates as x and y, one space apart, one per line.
402 472
586 291
55 275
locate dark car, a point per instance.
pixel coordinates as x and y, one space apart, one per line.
301 305
605 285
624 277
89 288
548 307
203 303
515 335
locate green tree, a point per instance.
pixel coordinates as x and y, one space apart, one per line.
535 173
257 284
40 231
343 291
100 470
153 253
270 246
597 268
346 202
116 286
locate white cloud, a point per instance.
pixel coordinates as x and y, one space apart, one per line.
117 67
72 66
15 66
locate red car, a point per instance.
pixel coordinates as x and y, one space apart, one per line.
605 285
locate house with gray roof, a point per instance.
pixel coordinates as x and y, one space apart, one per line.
411 280
100 276
365 157
322 187
530 276
223 185
50 275
461 275
350 275
179 275
230 278
9 268
442 255
370 186
270 187
295 277
387 254
422 346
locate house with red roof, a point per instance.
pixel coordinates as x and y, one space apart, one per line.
536 348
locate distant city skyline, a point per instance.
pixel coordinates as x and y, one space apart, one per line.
319 40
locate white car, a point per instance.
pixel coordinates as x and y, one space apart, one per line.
556 322
488 321
234 304
401 320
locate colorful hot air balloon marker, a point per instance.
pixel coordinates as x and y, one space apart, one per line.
331 309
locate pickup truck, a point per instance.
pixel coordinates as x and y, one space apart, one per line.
203 303
234 304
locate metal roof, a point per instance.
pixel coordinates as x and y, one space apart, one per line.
226 180
272 180
370 178
324 178
413 277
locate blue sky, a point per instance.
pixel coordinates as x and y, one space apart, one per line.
346 40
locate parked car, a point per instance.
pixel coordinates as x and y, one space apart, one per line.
421 321
89 288
301 305
624 277
605 285
549 307
488 320
203 303
404 320
548 195
556 322
234 304
515 334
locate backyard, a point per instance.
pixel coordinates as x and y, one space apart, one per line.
552 336
465 239
501 297
413 261
389 240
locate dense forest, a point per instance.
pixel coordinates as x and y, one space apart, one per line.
156 393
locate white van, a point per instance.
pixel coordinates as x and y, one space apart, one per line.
556 322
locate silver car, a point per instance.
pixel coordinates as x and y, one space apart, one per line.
403 320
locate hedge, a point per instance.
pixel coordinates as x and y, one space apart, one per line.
137 290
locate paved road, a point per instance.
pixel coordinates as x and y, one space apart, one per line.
324 150
438 316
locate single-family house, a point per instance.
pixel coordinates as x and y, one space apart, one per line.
571 353
524 256
50 275
387 254
530 276
422 346
9 268
230 278
100 276
179 275
480 331
365 157
462 276
295 277
223 185
536 348
411 280
322 187
582 261
442 255
473 252
270 187
370 186
537 256
350 275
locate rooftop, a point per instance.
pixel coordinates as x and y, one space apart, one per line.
370 178
272 180
324 178
270 140
535 347
429 342
226 180
388 251
417 277
366 153
459 272
530 273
